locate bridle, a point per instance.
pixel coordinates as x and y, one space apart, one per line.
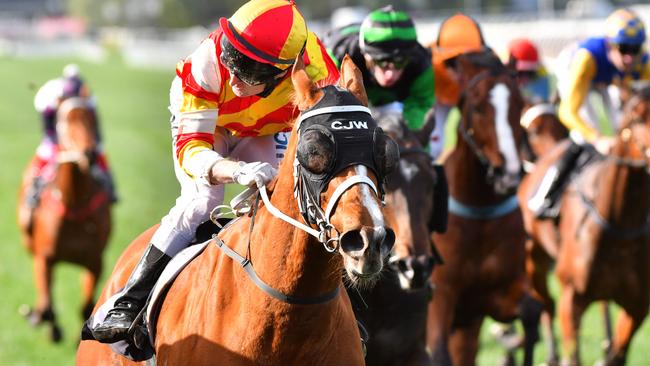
467 132
310 209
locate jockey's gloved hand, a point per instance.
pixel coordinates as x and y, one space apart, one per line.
258 173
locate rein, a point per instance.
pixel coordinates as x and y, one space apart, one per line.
611 229
468 133
247 265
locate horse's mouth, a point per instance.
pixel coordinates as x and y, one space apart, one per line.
362 280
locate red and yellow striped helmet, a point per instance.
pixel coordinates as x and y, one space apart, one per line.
268 31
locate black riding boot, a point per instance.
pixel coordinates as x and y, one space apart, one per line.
134 295
561 171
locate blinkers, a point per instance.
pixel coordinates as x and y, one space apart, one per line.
333 135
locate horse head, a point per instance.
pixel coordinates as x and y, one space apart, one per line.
632 142
409 194
543 129
76 131
341 162
490 107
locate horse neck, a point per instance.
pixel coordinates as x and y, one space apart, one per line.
467 177
286 257
73 183
624 191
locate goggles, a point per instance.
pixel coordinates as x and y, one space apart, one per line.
396 63
628 49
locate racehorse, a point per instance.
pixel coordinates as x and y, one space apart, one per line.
483 247
601 241
72 221
394 311
215 314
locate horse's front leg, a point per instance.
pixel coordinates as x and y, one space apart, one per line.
628 323
538 265
440 318
43 311
570 315
464 343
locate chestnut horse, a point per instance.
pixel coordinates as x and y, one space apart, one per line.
394 312
72 221
483 247
601 241
214 314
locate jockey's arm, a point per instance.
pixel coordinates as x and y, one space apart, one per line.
583 71
421 98
197 118
645 73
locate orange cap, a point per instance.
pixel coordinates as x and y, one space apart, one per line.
458 34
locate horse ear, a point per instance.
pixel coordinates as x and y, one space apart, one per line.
352 80
307 93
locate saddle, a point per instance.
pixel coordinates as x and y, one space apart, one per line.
569 166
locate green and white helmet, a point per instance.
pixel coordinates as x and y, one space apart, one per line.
387 33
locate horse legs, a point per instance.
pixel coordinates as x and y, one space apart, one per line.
463 343
88 283
571 309
538 265
627 324
440 318
607 343
43 311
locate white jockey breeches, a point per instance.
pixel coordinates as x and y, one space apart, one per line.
198 198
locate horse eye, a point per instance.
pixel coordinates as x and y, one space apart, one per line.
386 154
315 151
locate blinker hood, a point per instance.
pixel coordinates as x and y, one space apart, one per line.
350 128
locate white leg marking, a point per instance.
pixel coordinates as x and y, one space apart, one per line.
499 97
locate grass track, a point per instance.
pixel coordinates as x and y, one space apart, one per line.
133 110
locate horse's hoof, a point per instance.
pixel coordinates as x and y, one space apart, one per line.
55 334
33 318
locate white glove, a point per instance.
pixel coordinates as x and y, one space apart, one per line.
257 172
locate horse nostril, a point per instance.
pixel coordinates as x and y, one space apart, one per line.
389 240
352 241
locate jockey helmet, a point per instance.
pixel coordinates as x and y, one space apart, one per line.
72 83
387 34
624 26
458 34
271 32
524 55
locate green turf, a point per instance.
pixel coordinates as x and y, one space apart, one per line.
133 110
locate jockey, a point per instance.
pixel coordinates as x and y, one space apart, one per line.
523 58
46 102
395 67
458 34
231 110
600 65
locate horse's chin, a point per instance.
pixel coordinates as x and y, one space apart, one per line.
362 281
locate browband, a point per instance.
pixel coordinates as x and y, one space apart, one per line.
334 109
